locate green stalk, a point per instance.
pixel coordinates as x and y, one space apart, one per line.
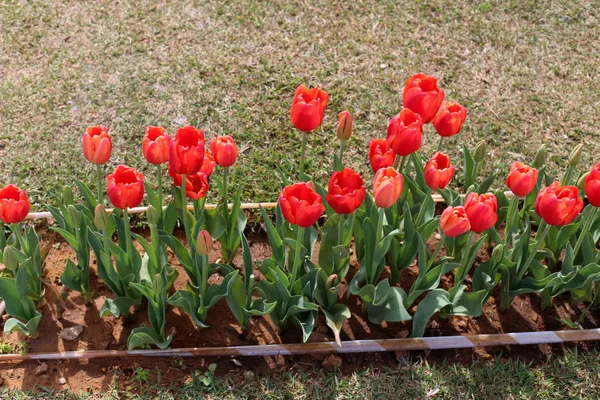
378 235
204 279
567 177
99 178
342 143
225 205
128 244
436 252
397 161
160 193
302 155
297 260
18 230
340 230
461 273
440 143
543 230
184 216
510 216
422 209
586 227
402 164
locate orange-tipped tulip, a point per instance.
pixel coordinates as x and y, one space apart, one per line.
346 191
449 119
592 185
125 187
454 221
422 95
300 204
308 108
521 179
344 128
186 151
97 144
224 150
558 205
438 171
482 211
405 132
155 145
380 154
387 187
14 205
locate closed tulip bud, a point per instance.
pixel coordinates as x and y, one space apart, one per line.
438 171
155 145
558 205
14 204
346 191
344 128
308 108
575 155
224 150
454 221
387 187
581 181
521 179
75 215
480 151
300 204
11 258
152 215
332 281
405 132
204 243
101 217
380 154
422 95
482 211
498 253
540 157
592 185
67 196
97 144
125 187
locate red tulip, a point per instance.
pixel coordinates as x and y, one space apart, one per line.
438 171
155 145
196 186
224 150
186 151
387 187
521 179
404 132
449 119
454 221
14 205
482 211
97 144
300 204
308 108
125 187
346 191
380 154
558 205
208 165
344 128
592 186
422 95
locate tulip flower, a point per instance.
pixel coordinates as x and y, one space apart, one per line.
380 154
344 128
521 179
387 187
204 243
208 165
482 211
196 186
186 151
125 187
346 191
97 144
449 119
14 205
438 171
558 205
308 107
155 145
224 150
592 185
300 204
454 221
422 95
404 132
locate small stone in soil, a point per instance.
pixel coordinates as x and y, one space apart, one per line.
332 361
62 381
71 333
40 369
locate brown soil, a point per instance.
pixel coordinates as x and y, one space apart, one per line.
112 333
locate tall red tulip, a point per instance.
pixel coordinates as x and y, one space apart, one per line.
387 187
300 204
405 132
308 107
422 95
449 119
97 144
346 191
438 171
454 221
482 211
186 151
558 205
521 179
592 185
224 150
14 205
380 154
125 187
196 186
208 165
155 145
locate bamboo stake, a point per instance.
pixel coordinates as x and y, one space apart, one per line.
354 346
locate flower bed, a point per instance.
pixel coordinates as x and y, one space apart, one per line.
380 258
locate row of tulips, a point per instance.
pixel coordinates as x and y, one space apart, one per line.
541 240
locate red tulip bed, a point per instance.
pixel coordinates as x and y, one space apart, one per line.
336 261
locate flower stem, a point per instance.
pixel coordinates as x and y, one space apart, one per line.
436 252
422 209
543 230
127 234
297 258
440 143
397 161
586 227
302 156
378 235
160 193
402 164
18 230
342 144
99 179
225 205
510 217
184 215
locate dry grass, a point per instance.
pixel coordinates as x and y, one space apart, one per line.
526 70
